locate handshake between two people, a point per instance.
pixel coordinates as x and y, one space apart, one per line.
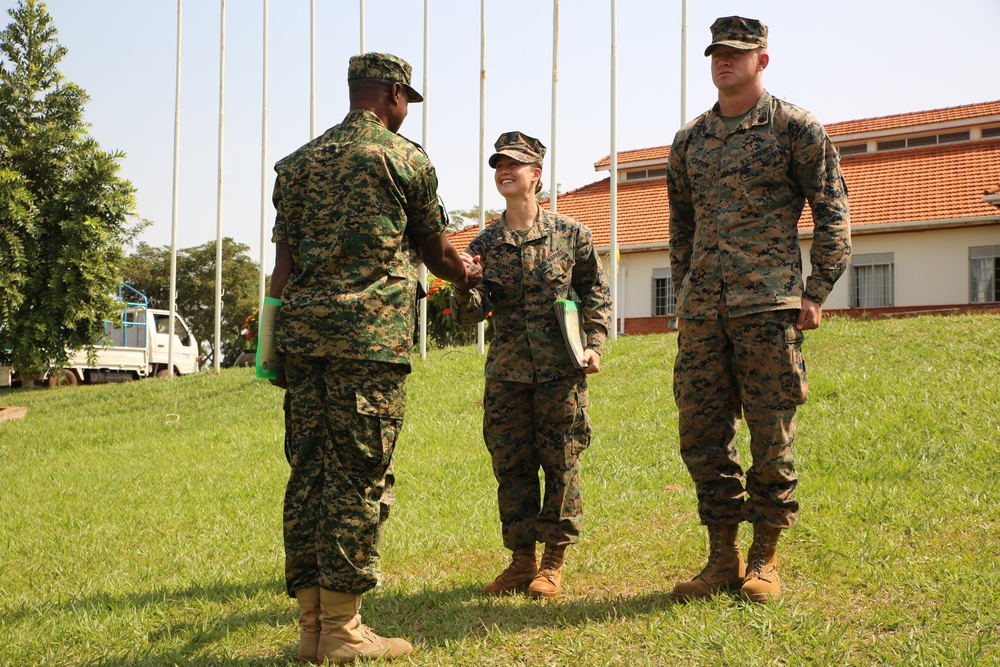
473 272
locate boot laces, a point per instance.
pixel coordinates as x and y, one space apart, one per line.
549 562
369 634
757 557
714 554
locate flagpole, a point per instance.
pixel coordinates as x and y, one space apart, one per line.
312 69
684 51
422 273
614 171
481 327
263 172
554 191
216 361
173 215
362 25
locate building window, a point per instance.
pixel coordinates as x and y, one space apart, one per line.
871 281
664 299
891 144
642 174
917 142
990 132
953 136
984 274
854 149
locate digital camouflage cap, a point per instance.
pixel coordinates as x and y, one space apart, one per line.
518 146
739 33
383 66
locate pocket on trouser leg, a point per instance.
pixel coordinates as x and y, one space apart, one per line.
377 424
578 435
796 380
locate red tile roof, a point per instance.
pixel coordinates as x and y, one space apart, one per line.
934 183
969 112
639 155
905 120
941 182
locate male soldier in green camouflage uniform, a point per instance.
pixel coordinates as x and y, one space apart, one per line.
738 177
354 207
535 405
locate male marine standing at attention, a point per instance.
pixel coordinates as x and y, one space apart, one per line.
738 177
354 206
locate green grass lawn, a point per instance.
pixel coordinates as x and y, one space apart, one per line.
140 524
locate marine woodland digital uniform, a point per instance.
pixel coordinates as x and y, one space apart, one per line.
536 398
735 201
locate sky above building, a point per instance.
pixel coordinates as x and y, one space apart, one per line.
853 59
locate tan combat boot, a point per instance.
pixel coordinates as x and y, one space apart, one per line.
549 578
725 568
344 638
308 599
762 582
517 576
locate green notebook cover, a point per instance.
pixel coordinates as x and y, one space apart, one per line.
571 323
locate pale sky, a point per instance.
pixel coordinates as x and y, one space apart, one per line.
842 61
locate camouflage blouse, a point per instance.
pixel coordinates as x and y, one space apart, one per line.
521 282
735 201
353 204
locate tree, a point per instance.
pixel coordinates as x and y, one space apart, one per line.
65 215
464 218
148 270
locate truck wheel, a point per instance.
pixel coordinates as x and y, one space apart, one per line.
62 378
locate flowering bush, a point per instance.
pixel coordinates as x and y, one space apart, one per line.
249 332
442 329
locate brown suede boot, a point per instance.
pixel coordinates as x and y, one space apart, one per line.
548 581
344 638
725 568
308 599
517 576
762 582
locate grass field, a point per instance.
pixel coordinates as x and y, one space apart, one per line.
140 524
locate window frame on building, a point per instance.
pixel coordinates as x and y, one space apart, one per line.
984 273
872 281
663 297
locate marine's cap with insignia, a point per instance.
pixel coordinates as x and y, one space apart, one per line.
383 66
519 146
739 33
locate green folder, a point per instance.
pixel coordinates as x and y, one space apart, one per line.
570 318
269 364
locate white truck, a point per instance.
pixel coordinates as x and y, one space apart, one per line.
135 348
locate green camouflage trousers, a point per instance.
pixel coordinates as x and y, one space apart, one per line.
530 426
343 419
726 367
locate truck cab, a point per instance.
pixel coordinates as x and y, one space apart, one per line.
133 348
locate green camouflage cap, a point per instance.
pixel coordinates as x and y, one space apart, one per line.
519 146
739 33
383 66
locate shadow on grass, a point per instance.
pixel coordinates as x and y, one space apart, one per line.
430 618
436 617
177 627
